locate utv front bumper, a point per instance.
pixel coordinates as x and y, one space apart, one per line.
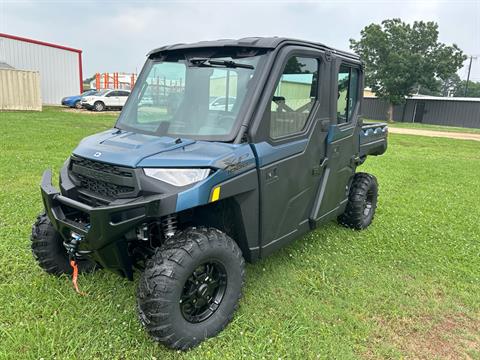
104 230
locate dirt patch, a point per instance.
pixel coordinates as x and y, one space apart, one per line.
449 337
433 133
90 112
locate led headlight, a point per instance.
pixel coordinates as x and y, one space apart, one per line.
178 177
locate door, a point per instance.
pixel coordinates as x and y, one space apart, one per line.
122 97
111 99
342 144
419 111
290 160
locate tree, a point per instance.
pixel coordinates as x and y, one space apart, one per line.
87 81
443 87
400 58
472 91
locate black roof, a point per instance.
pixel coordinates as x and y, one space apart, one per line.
251 42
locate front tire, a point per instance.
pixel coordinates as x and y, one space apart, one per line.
99 106
362 202
191 287
48 249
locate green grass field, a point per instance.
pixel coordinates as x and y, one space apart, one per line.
409 286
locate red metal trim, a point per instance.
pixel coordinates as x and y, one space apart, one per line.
38 42
80 70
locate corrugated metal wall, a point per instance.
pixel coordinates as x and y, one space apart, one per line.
437 112
58 68
20 90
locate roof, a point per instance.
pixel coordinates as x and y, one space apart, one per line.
450 98
4 65
38 42
437 98
250 42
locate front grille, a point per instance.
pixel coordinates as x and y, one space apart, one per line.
102 187
103 167
103 179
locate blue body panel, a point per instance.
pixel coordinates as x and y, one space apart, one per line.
268 154
71 100
336 132
136 150
139 150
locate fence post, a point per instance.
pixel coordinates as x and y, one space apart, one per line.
132 81
105 81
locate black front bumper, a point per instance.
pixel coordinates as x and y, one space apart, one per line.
103 229
87 106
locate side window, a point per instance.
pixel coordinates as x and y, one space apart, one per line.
123 93
294 96
112 93
347 93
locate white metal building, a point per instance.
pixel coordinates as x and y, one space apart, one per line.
60 67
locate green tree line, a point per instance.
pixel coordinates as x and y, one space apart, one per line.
403 59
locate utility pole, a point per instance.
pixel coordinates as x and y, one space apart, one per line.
468 76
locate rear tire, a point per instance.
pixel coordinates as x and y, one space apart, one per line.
48 249
99 106
78 104
191 287
362 202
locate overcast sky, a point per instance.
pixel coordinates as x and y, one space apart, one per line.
116 35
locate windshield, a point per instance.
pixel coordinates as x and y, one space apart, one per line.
200 98
101 92
89 92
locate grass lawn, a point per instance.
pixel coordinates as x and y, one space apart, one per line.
409 286
421 126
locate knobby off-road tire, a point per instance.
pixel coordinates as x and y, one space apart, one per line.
48 249
362 202
168 284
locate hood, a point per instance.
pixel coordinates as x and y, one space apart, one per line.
73 97
131 149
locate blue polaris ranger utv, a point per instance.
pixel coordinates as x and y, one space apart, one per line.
225 151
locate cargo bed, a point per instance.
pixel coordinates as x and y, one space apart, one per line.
373 139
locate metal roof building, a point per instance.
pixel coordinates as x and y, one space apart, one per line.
60 67
435 110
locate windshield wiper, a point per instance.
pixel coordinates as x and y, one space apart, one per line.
206 62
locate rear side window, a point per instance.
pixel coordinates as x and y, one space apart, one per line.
347 93
294 97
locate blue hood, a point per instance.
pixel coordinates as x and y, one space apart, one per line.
75 97
139 150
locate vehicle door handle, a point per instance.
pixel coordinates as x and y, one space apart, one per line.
323 163
271 175
317 170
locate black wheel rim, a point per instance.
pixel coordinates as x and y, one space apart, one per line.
368 203
203 292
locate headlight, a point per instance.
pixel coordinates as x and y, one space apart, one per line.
178 177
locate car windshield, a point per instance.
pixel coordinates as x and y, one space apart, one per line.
199 98
101 92
89 92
